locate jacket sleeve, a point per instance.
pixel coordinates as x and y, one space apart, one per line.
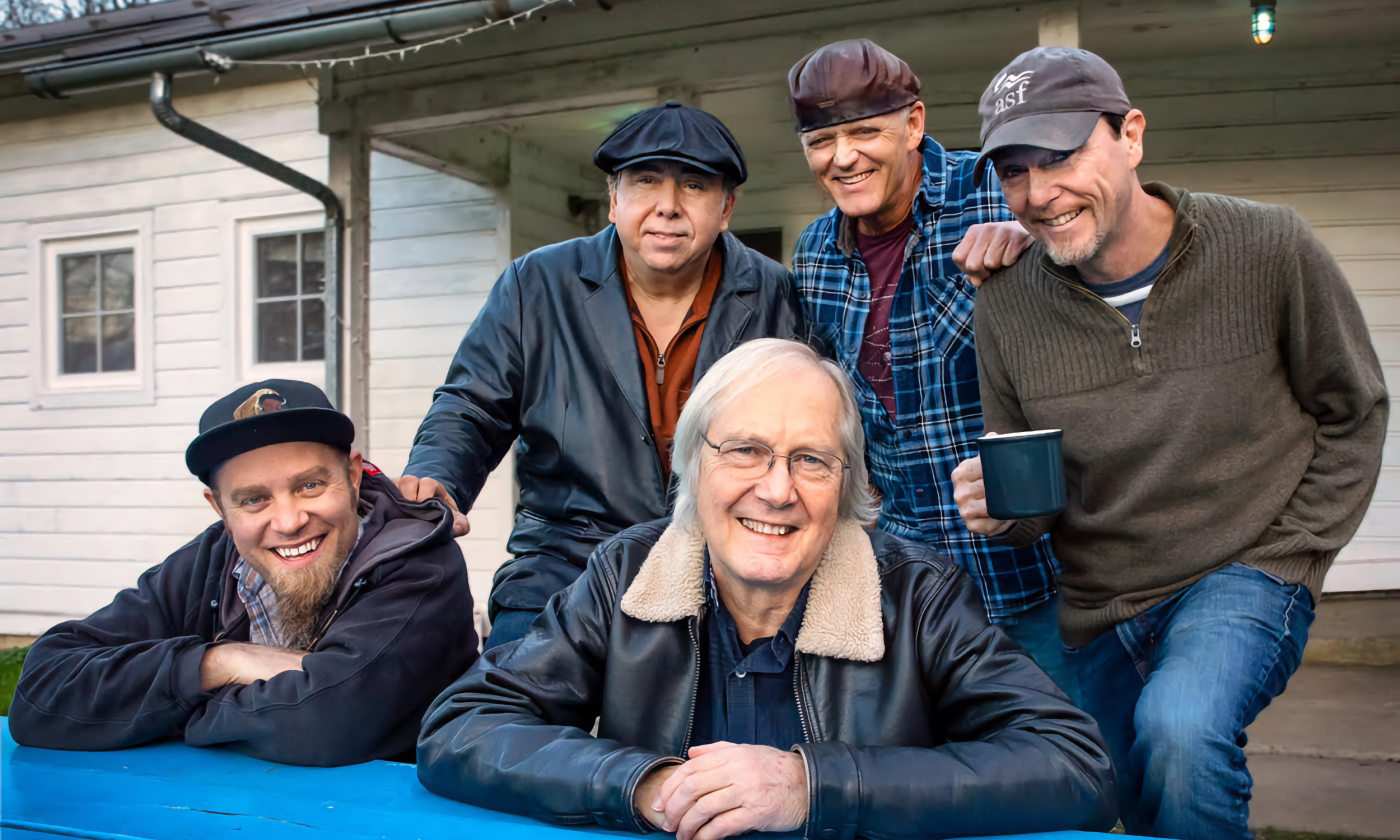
360 691
790 322
513 734
1337 378
125 675
1001 411
475 415
1019 759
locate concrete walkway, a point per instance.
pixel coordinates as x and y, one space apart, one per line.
1326 754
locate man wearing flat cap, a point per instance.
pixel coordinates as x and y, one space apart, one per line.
887 281
311 625
1224 415
586 351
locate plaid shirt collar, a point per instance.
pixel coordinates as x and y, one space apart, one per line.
934 361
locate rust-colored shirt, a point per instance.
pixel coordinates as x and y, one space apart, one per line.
668 372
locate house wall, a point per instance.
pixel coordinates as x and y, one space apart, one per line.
540 187
93 494
438 243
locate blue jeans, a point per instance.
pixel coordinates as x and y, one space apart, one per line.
1174 688
1038 631
509 626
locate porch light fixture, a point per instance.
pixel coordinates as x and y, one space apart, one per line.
1263 23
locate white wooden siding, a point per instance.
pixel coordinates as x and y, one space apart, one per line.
438 244
90 497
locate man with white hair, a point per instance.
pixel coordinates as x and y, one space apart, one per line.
762 662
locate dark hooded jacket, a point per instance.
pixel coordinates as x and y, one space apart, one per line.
551 362
920 718
397 629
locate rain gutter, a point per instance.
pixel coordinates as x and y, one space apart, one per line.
161 90
56 81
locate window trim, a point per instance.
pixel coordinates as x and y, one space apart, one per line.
246 232
47 242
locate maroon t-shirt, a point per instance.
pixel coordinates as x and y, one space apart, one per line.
884 260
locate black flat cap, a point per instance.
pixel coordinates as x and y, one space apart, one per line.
262 414
674 132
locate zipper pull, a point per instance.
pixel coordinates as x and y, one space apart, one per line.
660 368
1137 338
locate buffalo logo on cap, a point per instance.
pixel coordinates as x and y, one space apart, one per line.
263 401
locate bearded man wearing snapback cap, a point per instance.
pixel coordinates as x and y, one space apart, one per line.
313 624
1223 413
887 281
587 350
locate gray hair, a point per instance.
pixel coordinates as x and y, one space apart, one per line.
741 370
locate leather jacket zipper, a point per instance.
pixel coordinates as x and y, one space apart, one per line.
801 701
694 695
660 368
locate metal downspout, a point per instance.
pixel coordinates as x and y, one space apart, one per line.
335 213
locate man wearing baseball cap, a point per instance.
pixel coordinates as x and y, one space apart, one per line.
313 624
1223 414
887 281
586 351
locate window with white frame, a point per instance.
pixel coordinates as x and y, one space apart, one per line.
289 308
97 312
93 338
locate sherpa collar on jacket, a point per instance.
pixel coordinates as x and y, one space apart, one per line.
843 617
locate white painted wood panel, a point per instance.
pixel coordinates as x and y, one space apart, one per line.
92 496
434 255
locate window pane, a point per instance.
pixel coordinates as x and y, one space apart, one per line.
116 282
118 344
80 345
277 266
277 331
79 283
313 263
313 330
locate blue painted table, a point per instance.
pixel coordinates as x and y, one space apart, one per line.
169 791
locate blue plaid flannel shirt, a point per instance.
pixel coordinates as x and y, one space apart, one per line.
937 398
261 602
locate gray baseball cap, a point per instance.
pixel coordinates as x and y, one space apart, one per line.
1049 97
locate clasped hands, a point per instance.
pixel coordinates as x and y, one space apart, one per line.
726 789
240 663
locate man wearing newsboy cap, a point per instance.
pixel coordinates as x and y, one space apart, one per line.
887 281
586 351
312 624
1223 414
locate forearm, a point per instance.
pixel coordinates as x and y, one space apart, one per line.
519 764
77 695
1012 783
457 446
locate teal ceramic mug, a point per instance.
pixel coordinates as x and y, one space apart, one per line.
1024 474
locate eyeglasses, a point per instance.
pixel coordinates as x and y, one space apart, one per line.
752 459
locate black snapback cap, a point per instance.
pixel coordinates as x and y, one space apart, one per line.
1050 97
674 132
263 414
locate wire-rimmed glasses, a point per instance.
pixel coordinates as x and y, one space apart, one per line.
752 459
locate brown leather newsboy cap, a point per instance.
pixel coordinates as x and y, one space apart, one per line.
848 81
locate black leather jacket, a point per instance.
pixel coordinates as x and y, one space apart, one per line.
552 360
948 728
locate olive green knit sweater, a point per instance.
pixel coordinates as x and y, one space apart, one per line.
1246 427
